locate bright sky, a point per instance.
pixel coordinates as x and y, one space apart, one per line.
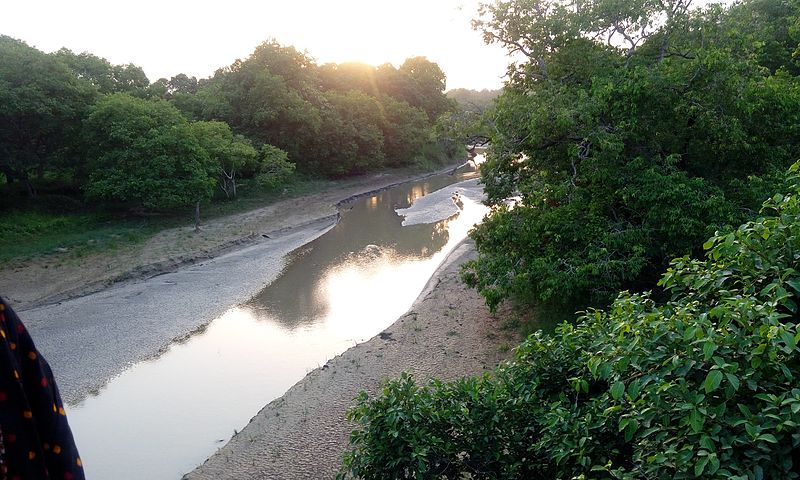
167 37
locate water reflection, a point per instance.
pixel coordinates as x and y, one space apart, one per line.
368 238
161 418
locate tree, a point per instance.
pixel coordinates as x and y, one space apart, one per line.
626 153
107 78
130 79
344 77
91 68
478 101
425 87
274 167
702 385
41 106
406 131
231 153
350 139
144 153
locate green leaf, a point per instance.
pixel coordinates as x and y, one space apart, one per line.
713 464
696 421
617 390
767 437
789 340
794 283
713 380
700 466
733 380
708 349
633 389
707 443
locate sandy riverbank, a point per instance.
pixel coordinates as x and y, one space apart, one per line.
447 333
91 325
53 278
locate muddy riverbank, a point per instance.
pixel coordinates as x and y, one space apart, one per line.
60 276
93 322
448 333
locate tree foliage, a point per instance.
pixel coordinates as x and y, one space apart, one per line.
631 132
231 153
704 385
256 119
41 106
145 153
273 167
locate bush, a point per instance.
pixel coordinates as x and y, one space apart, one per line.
704 385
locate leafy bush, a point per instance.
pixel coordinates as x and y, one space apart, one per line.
274 167
704 385
623 158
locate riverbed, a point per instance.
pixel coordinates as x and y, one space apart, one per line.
163 416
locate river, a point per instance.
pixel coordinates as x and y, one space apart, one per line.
162 417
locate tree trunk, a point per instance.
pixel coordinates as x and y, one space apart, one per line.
28 186
197 216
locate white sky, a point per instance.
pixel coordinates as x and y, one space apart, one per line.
167 37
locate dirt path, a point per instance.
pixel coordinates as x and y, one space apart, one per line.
52 278
448 333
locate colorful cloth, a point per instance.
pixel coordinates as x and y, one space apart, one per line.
34 433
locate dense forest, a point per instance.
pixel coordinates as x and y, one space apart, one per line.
633 139
75 126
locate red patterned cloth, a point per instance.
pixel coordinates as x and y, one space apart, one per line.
37 440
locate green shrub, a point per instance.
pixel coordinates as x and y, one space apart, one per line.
704 385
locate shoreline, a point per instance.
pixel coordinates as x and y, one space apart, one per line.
447 333
55 278
126 322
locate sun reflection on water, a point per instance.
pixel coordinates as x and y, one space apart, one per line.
161 418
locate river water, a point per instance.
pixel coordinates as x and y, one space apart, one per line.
161 418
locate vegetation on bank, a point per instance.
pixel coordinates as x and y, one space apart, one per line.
704 385
87 145
632 132
627 153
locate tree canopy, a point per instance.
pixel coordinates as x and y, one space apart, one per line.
146 153
103 130
632 131
704 385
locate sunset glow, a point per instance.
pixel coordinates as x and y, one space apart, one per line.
196 39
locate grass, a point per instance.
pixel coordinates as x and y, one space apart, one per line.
28 234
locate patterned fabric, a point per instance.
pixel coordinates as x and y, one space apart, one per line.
3 469
37 440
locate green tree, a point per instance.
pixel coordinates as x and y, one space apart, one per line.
41 106
231 153
703 385
350 139
144 153
274 167
131 79
91 68
406 132
425 86
625 154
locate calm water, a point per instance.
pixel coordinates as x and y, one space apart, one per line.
161 418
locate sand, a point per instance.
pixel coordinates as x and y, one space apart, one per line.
61 275
448 333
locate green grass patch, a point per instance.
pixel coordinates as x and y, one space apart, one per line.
28 234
